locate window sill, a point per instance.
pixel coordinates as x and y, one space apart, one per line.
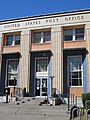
74 41
41 43
75 86
12 46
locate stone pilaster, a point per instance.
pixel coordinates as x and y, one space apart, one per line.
56 64
24 60
88 54
0 53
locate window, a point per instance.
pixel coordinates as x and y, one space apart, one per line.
79 34
41 37
41 65
46 36
17 39
9 40
37 37
12 39
68 35
74 34
74 70
12 72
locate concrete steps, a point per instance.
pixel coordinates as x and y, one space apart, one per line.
30 107
10 99
30 100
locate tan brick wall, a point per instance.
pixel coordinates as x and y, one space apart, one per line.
75 44
46 46
9 49
76 91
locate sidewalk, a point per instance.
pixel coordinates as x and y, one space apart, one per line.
30 110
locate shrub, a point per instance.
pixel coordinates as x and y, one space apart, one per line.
87 104
85 96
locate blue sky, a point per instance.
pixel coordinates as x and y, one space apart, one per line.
21 8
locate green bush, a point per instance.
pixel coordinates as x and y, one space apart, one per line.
85 96
87 104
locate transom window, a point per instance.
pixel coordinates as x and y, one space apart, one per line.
41 37
74 70
12 39
12 72
74 34
41 65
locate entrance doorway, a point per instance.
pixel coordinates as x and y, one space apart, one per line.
41 86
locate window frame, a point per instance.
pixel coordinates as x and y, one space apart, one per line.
42 36
15 74
68 70
34 40
73 33
39 58
68 35
80 34
14 39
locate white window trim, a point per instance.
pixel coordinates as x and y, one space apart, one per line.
13 43
42 37
6 79
73 35
68 71
40 78
41 73
73 29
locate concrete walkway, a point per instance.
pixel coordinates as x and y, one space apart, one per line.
30 110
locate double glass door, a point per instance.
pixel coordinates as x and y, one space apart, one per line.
41 86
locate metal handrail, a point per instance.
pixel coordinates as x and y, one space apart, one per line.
72 100
87 113
78 112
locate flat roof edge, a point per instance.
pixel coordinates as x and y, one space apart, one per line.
44 15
